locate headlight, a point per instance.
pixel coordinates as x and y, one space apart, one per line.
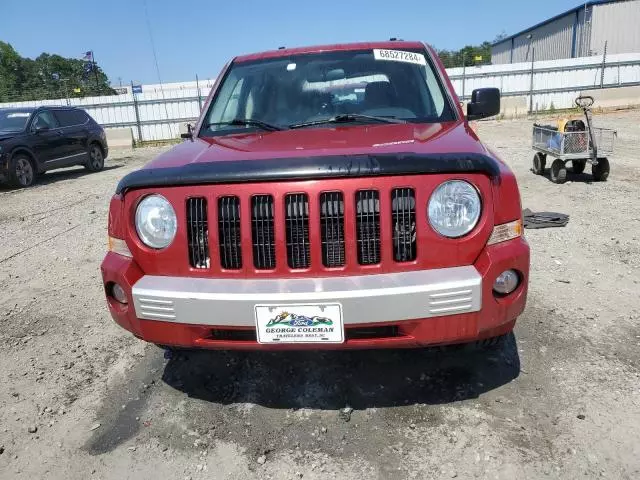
156 221
454 208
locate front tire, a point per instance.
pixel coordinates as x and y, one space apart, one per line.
22 171
95 163
558 171
539 163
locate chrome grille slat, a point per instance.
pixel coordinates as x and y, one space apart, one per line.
229 232
198 232
368 226
332 229
403 221
297 230
263 235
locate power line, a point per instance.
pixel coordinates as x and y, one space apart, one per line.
155 59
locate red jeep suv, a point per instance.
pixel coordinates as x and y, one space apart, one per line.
328 197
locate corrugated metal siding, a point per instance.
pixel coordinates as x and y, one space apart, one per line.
501 53
551 41
619 25
583 32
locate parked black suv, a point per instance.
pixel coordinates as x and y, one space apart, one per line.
34 140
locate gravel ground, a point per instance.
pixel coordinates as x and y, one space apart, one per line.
80 398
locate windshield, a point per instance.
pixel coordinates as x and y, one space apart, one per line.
13 120
310 89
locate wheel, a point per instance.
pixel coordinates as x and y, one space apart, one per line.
600 171
22 172
578 166
558 171
539 161
95 163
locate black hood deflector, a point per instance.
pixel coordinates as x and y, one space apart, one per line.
309 168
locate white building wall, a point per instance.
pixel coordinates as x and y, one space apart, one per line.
550 42
618 24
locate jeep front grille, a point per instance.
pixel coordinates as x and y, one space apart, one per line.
335 229
229 232
403 221
263 232
198 232
332 228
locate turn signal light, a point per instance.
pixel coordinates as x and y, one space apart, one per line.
506 231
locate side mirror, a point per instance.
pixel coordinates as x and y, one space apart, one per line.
41 129
485 102
189 133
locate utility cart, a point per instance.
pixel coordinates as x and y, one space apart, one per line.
573 141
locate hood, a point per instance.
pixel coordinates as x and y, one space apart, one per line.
7 135
433 138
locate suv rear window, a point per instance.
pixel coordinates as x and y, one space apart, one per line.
286 91
68 118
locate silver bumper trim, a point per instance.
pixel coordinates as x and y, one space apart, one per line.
364 299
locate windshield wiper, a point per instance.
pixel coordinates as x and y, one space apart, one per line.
247 121
348 118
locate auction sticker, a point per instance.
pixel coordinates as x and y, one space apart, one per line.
299 323
399 56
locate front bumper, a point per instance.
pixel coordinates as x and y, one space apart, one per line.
364 299
450 305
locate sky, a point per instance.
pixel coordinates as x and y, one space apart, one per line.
199 37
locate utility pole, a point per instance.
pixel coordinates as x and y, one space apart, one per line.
464 72
533 54
66 89
95 70
137 111
604 61
199 95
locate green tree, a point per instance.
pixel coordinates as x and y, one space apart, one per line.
467 55
47 77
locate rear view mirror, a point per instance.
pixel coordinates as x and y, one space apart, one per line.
322 74
485 102
41 129
335 74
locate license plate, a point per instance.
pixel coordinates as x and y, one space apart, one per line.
299 323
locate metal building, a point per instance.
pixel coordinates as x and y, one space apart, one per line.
580 32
